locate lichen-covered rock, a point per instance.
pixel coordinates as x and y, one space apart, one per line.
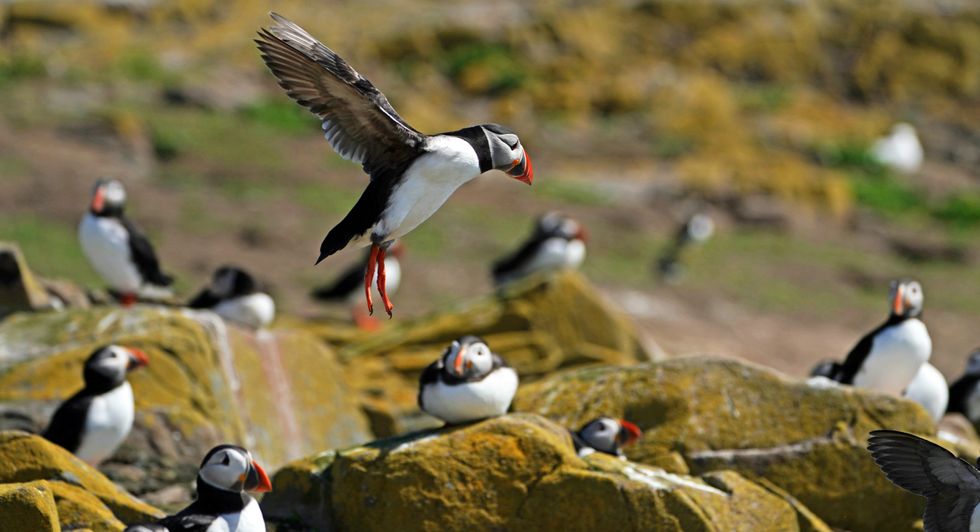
19 289
281 393
517 472
28 506
725 414
539 325
83 496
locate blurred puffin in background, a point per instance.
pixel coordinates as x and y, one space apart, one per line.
964 394
696 229
606 435
900 150
557 242
347 287
236 296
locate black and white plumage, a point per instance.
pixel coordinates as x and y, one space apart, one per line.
605 435
557 242
412 174
888 358
950 485
236 296
468 382
116 248
95 421
223 504
964 394
347 287
696 229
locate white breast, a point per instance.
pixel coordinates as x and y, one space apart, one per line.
473 400
393 277
248 520
109 420
254 310
427 184
930 389
896 355
106 245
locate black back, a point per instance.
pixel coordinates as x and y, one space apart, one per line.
513 262
68 422
855 359
366 212
343 286
242 284
143 255
826 368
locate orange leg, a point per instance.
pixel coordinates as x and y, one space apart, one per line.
369 276
127 300
363 321
381 283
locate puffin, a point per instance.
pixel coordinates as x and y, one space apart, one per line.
888 358
964 394
605 435
825 368
93 423
118 250
236 296
556 242
411 174
697 229
346 287
900 150
950 485
467 383
223 504
930 389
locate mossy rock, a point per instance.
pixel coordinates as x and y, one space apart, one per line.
281 393
84 497
516 472
28 506
721 414
540 325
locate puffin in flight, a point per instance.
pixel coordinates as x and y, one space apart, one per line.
347 287
964 394
412 174
605 435
94 422
889 357
236 296
557 242
950 485
117 249
227 474
467 383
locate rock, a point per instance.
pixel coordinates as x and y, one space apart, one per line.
19 289
538 326
721 414
516 472
28 506
84 497
281 393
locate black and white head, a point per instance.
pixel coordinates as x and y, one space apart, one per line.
506 153
554 224
108 198
107 366
230 281
608 435
905 297
468 357
231 468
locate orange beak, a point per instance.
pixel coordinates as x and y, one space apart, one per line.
257 481
628 432
137 358
458 363
582 234
98 201
898 305
522 170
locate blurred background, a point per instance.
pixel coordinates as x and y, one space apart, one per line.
763 115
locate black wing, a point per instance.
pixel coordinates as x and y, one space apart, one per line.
507 266
826 368
187 522
348 282
68 422
143 255
959 393
204 299
429 375
577 441
855 359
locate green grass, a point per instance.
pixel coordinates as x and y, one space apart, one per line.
222 139
283 115
960 211
571 192
51 249
16 67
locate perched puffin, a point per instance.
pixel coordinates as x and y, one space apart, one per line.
95 421
605 435
900 150
697 229
347 287
412 174
888 358
227 473
964 394
117 249
468 382
557 242
930 389
950 485
236 296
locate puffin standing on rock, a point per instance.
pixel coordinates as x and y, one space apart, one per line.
227 473
557 242
236 296
605 435
412 174
118 250
94 422
467 383
347 287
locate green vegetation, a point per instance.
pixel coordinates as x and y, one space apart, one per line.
282 114
51 248
15 67
571 192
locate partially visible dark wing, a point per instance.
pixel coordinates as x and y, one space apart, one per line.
358 121
143 255
204 299
855 359
959 393
341 288
511 264
577 441
826 368
430 375
68 422
187 521
949 512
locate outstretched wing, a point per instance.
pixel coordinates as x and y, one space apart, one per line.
358 121
143 255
